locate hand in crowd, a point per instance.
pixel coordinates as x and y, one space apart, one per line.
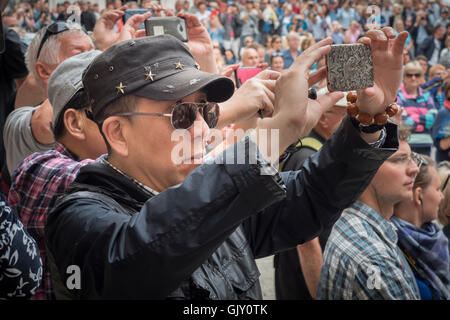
387 56
104 34
255 95
131 29
200 43
295 114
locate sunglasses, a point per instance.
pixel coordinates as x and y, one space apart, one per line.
54 28
184 114
410 75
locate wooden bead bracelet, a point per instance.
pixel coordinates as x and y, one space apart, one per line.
366 119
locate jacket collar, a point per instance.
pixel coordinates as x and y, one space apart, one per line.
103 178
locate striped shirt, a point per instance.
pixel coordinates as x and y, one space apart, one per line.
362 259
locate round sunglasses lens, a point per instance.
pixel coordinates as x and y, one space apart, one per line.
211 114
183 116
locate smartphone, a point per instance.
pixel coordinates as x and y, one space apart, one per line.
131 12
174 26
349 67
245 73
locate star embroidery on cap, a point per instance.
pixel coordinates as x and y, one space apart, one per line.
149 75
178 65
120 88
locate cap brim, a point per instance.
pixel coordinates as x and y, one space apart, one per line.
186 82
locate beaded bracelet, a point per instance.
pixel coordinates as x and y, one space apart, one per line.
367 122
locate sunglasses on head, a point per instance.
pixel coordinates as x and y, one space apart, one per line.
54 28
184 114
410 75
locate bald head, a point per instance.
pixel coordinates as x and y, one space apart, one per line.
250 57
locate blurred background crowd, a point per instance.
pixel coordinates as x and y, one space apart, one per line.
273 32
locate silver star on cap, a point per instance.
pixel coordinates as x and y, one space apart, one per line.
179 65
120 88
149 75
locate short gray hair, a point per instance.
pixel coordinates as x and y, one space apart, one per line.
50 50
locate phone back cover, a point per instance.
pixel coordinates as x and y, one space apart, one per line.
349 67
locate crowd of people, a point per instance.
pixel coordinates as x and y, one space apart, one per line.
350 211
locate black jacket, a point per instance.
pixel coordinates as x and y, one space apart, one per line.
199 239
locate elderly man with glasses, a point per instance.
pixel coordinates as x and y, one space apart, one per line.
27 129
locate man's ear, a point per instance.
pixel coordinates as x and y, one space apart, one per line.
74 124
417 196
44 71
115 130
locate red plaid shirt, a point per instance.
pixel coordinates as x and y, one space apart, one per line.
36 183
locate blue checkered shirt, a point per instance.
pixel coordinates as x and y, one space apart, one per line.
362 259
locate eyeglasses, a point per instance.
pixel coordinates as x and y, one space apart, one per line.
410 75
184 114
54 28
407 159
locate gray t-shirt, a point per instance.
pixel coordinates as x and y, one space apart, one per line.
18 137
250 26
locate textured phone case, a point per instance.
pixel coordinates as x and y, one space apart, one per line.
349 67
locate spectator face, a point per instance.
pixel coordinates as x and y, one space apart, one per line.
74 43
229 54
277 63
261 54
150 136
424 65
117 4
399 26
406 58
178 6
276 43
394 180
412 79
431 197
250 58
269 42
293 43
439 34
248 42
438 73
408 4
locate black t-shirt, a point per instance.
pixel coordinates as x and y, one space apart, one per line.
12 66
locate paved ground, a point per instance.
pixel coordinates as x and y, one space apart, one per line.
265 266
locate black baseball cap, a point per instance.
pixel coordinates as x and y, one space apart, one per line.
159 68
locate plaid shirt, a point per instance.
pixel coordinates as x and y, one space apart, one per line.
362 259
36 183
